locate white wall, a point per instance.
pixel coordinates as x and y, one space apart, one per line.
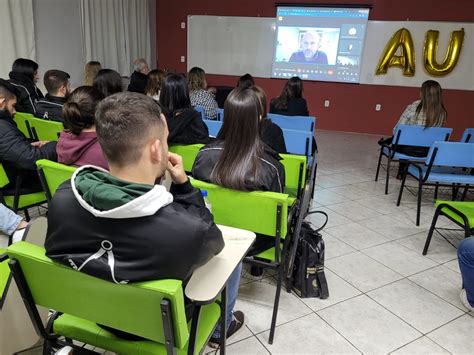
58 38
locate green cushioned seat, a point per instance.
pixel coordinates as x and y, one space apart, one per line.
463 208
20 119
86 301
44 130
188 152
295 173
53 174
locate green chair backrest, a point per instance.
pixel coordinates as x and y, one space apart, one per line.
53 174
254 211
188 152
45 130
20 119
133 308
3 177
295 172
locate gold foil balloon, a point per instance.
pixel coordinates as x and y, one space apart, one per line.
401 39
452 54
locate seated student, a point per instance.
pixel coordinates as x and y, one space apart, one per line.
108 82
58 87
24 76
90 72
78 144
238 159
17 154
246 81
271 134
199 94
184 123
466 265
152 234
139 77
155 81
291 101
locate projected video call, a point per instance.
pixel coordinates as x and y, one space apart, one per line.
319 43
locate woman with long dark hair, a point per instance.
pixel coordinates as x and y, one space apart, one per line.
108 82
185 124
78 144
24 76
291 101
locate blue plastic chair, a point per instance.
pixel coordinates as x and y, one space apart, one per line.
200 109
300 123
418 136
220 114
213 127
447 164
468 136
298 142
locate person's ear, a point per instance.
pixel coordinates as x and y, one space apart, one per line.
156 153
3 103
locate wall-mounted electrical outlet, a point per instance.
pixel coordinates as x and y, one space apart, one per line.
378 107
183 59
183 25
326 103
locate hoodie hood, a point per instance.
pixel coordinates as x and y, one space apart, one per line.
106 196
71 147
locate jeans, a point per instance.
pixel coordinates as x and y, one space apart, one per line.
466 264
9 221
232 291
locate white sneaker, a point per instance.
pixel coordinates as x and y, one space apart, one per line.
67 350
465 302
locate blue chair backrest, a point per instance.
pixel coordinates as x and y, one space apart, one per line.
200 109
468 136
420 136
298 142
300 123
213 127
220 114
452 154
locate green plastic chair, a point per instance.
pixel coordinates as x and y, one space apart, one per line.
295 174
188 152
460 212
260 212
44 130
52 175
15 200
21 119
153 310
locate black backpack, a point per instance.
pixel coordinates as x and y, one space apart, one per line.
308 279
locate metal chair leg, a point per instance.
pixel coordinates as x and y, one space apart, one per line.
387 176
275 305
402 186
378 165
432 228
436 191
418 206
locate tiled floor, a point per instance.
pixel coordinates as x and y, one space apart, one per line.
385 297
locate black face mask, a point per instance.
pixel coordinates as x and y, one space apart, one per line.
5 114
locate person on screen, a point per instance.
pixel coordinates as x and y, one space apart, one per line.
310 54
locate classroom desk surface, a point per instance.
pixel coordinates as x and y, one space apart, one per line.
208 280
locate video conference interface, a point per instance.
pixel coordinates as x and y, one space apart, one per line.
319 43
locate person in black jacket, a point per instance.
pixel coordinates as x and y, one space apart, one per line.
24 76
17 154
139 77
270 133
184 122
290 102
148 232
58 87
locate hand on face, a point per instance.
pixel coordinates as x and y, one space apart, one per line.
175 169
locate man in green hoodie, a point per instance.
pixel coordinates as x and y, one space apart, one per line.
122 227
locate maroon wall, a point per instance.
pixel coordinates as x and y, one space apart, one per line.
352 106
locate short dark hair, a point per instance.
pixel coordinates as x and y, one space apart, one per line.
7 90
79 110
108 81
174 94
26 67
124 123
54 79
246 81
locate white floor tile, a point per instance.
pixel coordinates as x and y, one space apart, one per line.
456 337
294 338
247 346
368 326
440 250
326 197
335 219
453 265
422 346
357 236
399 258
443 282
418 307
362 272
335 247
354 211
